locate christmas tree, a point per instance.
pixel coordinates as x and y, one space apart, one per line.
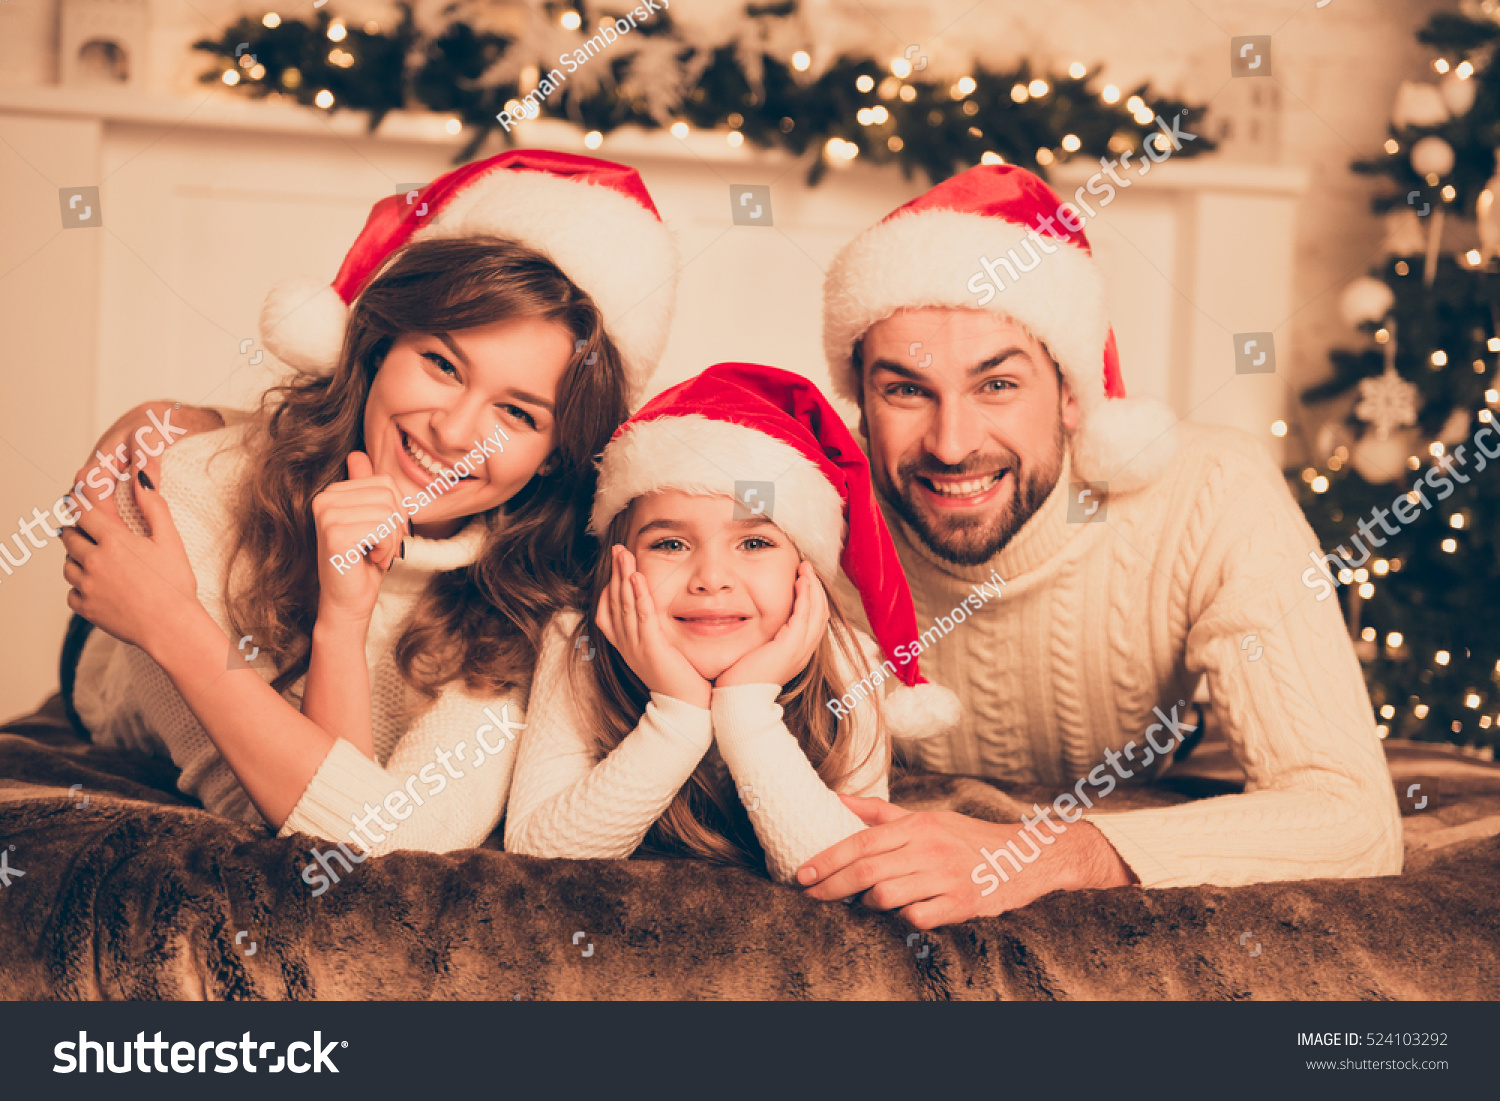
1420 579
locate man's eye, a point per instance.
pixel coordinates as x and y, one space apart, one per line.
997 385
903 390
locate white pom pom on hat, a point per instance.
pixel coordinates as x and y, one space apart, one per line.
1000 224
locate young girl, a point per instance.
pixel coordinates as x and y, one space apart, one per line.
385 544
734 702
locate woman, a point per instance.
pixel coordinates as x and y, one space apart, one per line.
386 542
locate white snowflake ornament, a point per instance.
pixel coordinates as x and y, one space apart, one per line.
1385 402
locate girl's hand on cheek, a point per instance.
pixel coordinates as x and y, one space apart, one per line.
627 616
131 586
344 514
788 653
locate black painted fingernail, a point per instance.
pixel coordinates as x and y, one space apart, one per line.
145 481
403 548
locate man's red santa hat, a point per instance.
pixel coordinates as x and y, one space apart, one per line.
741 422
929 252
594 219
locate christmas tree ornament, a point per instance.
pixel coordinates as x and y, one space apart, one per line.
1418 104
1386 402
1458 93
1456 427
1379 461
1432 156
1487 216
1365 299
1405 235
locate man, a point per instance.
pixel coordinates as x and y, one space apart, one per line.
1134 555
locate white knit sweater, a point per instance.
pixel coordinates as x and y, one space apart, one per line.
125 698
567 802
1102 621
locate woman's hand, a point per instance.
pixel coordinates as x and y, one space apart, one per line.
627 616
131 586
788 653
344 514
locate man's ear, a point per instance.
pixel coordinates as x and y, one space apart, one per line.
1067 405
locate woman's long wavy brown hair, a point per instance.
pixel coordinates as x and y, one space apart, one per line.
483 622
706 818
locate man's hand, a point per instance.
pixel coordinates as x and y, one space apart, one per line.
135 442
928 864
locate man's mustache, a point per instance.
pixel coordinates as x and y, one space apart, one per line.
978 464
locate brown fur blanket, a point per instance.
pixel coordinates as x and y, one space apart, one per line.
139 894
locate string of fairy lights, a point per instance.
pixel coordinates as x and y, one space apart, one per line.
842 109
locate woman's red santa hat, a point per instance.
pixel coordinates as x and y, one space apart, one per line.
741 422
929 252
594 219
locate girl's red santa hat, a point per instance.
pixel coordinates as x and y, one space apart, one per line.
594 219
741 422
997 238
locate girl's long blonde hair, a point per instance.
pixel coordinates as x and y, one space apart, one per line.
482 622
706 818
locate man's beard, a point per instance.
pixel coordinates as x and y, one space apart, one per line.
974 539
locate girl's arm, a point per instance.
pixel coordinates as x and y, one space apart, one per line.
565 802
795 814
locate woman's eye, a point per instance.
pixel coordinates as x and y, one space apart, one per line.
520 414
440 363
756 542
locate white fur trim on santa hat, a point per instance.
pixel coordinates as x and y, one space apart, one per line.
921 711
302 323
616 250
1126 442
699 455
934 258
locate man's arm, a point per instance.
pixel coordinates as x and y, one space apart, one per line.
1318 800
137 441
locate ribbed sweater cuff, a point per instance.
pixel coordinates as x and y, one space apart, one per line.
743 712
345 783
693 725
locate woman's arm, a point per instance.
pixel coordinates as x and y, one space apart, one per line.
565 802
795 814
443 788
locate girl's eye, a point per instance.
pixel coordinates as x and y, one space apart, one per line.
440 363
669 545
756 542
520 414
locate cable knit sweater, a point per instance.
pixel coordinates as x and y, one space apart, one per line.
569 803
125 698
1102 621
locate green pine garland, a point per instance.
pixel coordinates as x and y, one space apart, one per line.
935 132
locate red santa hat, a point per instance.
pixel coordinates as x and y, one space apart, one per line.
933 252
741 422
594 219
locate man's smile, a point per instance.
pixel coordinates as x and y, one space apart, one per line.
963 491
